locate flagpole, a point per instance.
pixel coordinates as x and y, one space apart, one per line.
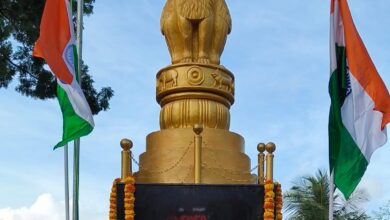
331 191
66 174
79 36
76 168
76 159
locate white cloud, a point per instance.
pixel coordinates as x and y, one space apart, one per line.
44 207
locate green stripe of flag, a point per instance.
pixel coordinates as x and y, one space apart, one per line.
73 125
346 160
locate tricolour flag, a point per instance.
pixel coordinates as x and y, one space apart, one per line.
56 44
360 102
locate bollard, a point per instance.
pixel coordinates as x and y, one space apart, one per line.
198 129
260 161
126 169
270 147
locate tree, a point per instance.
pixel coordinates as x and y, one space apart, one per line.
383 213
19 29
309 199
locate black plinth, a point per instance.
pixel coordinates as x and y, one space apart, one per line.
195 202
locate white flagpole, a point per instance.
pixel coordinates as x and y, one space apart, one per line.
331 191
79 35
76 168
66 174
76 159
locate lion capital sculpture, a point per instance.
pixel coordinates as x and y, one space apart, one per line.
196 30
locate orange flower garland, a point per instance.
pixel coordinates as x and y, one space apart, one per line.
269 201
279 201
128 199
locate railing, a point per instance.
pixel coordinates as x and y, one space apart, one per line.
126 166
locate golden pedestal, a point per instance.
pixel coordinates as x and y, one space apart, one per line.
194 145
195 90
169 158
192 94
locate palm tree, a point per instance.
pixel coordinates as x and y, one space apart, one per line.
308 199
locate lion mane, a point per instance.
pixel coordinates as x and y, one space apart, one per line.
195 9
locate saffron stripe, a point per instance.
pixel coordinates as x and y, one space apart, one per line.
362 67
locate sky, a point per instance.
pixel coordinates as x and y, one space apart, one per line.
279 53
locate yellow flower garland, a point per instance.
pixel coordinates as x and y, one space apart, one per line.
269 201
112 212
128 199
279 201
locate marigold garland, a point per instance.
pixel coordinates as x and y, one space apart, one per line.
112 213
128 199
279 201
273 201
269 201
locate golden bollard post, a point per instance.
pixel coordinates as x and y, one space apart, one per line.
270 147
198 129
260 161
126 170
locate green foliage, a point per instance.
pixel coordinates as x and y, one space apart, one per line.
19 29
309 199
383 213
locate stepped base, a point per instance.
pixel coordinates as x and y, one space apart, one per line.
169 158
195 202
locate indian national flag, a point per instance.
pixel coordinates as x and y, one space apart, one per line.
56 44
360 102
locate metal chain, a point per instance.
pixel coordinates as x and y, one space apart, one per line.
226 170
219 166
189 170
175 164
133 159
254 168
